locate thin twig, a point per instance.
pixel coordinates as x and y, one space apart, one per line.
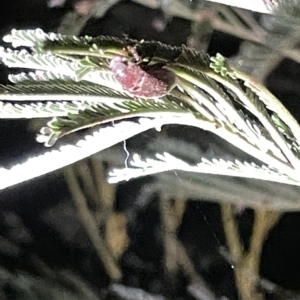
260 6
169 226
90 224
263 223
105 192
175 253
246 264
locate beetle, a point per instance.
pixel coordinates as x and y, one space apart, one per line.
141 79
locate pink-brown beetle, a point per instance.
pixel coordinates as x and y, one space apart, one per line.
142 79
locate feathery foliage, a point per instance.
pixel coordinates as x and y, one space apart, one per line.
70 80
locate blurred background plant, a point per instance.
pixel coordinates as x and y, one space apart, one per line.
157 237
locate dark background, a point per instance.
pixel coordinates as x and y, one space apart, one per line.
201 230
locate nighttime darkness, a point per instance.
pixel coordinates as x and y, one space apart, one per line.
149 149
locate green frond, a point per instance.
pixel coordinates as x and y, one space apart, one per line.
219 102
38 109
79 45
95 140
57 68
219 65
157 50
163 162
27 38
100 113
193 59
59 90
38 76
255 101
80 95
71 81
286 131
102 77
40 41
270 101
39 61
282 126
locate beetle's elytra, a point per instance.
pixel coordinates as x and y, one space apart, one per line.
141 79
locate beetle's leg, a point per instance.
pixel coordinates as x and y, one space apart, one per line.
133 52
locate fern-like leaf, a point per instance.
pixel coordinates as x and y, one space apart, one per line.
100 113
94 141
59 90
47 109
209 94
166 162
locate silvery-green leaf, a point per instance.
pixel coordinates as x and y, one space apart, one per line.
166 162
100 113
66 154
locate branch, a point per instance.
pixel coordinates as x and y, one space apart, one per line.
65 155
91 226
177 7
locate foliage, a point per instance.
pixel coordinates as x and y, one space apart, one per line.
69 80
